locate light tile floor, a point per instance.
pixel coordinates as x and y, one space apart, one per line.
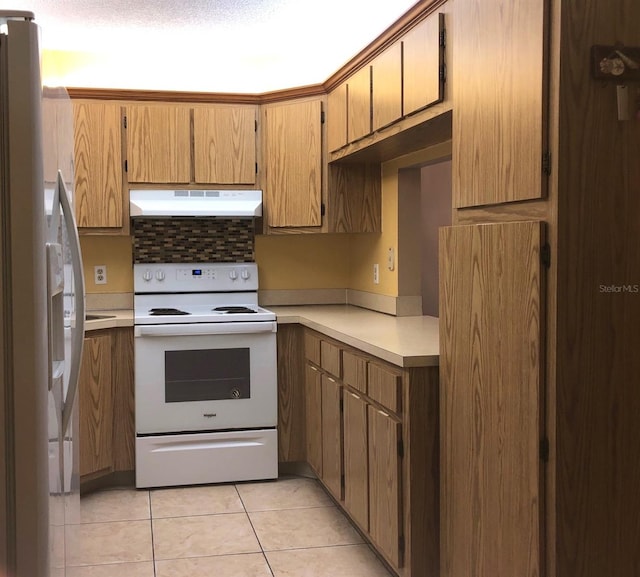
284 528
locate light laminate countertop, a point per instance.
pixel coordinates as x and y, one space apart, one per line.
112 319
402 341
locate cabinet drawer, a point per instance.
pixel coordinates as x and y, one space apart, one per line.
312 347
354 371
385 387
330 358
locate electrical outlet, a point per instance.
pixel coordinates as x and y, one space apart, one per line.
376 274
100 274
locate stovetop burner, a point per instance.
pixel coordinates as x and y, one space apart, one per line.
233 309
171 312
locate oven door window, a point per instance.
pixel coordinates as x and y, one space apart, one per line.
207 375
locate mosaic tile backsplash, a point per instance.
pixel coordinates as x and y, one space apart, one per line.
191 240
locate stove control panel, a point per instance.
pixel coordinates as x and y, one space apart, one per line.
206 277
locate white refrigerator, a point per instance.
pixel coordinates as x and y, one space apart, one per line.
41 312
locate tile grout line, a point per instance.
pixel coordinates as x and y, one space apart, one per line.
266 560
153 549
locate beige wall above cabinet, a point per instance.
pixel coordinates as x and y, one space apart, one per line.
423 64
292 176
499 132
98 164
386 82
158 143
224 144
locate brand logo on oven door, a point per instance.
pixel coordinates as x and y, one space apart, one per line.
209 415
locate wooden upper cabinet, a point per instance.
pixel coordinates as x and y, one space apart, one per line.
337 118
499 125
98 164
57 134
292 151
423 56
224 144
359 104
491 377
386 82
159 143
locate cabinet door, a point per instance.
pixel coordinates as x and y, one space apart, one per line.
386 83
313 413
96 406
332 436
337 117
293 164
491 399
224 144
98 163
159 144
421 61
385 503
499 134
356 459
359 104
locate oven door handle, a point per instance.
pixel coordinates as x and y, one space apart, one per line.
185 330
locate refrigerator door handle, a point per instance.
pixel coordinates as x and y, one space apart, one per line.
78 279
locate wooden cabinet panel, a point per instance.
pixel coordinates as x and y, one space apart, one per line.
57 135
356 459
354 371
386 83
385 387
224 144
292 151
291 403
313 412
499 126
491 408
98 162
312 347
332 436
159 144
330 358
385 504
421 60
337 117
359 104
96 406
124 432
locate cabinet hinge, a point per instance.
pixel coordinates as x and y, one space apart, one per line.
544 450
256 168
443 37
342 481
401 544
322 117
341 406
256 127
546 162
126 166
545 255
322 209
442 72
124 121
400 449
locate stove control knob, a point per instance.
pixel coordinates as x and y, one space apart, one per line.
160 275
147 275
233 274
245 274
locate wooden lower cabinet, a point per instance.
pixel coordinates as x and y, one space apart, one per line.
105 391
385 486
96 406
332 436
380 463
313 410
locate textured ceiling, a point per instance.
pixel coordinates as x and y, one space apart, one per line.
208 45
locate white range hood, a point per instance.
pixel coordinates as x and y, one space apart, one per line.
201 203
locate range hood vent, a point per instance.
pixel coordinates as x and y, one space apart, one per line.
199 203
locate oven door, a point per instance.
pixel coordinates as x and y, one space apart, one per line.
205 377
